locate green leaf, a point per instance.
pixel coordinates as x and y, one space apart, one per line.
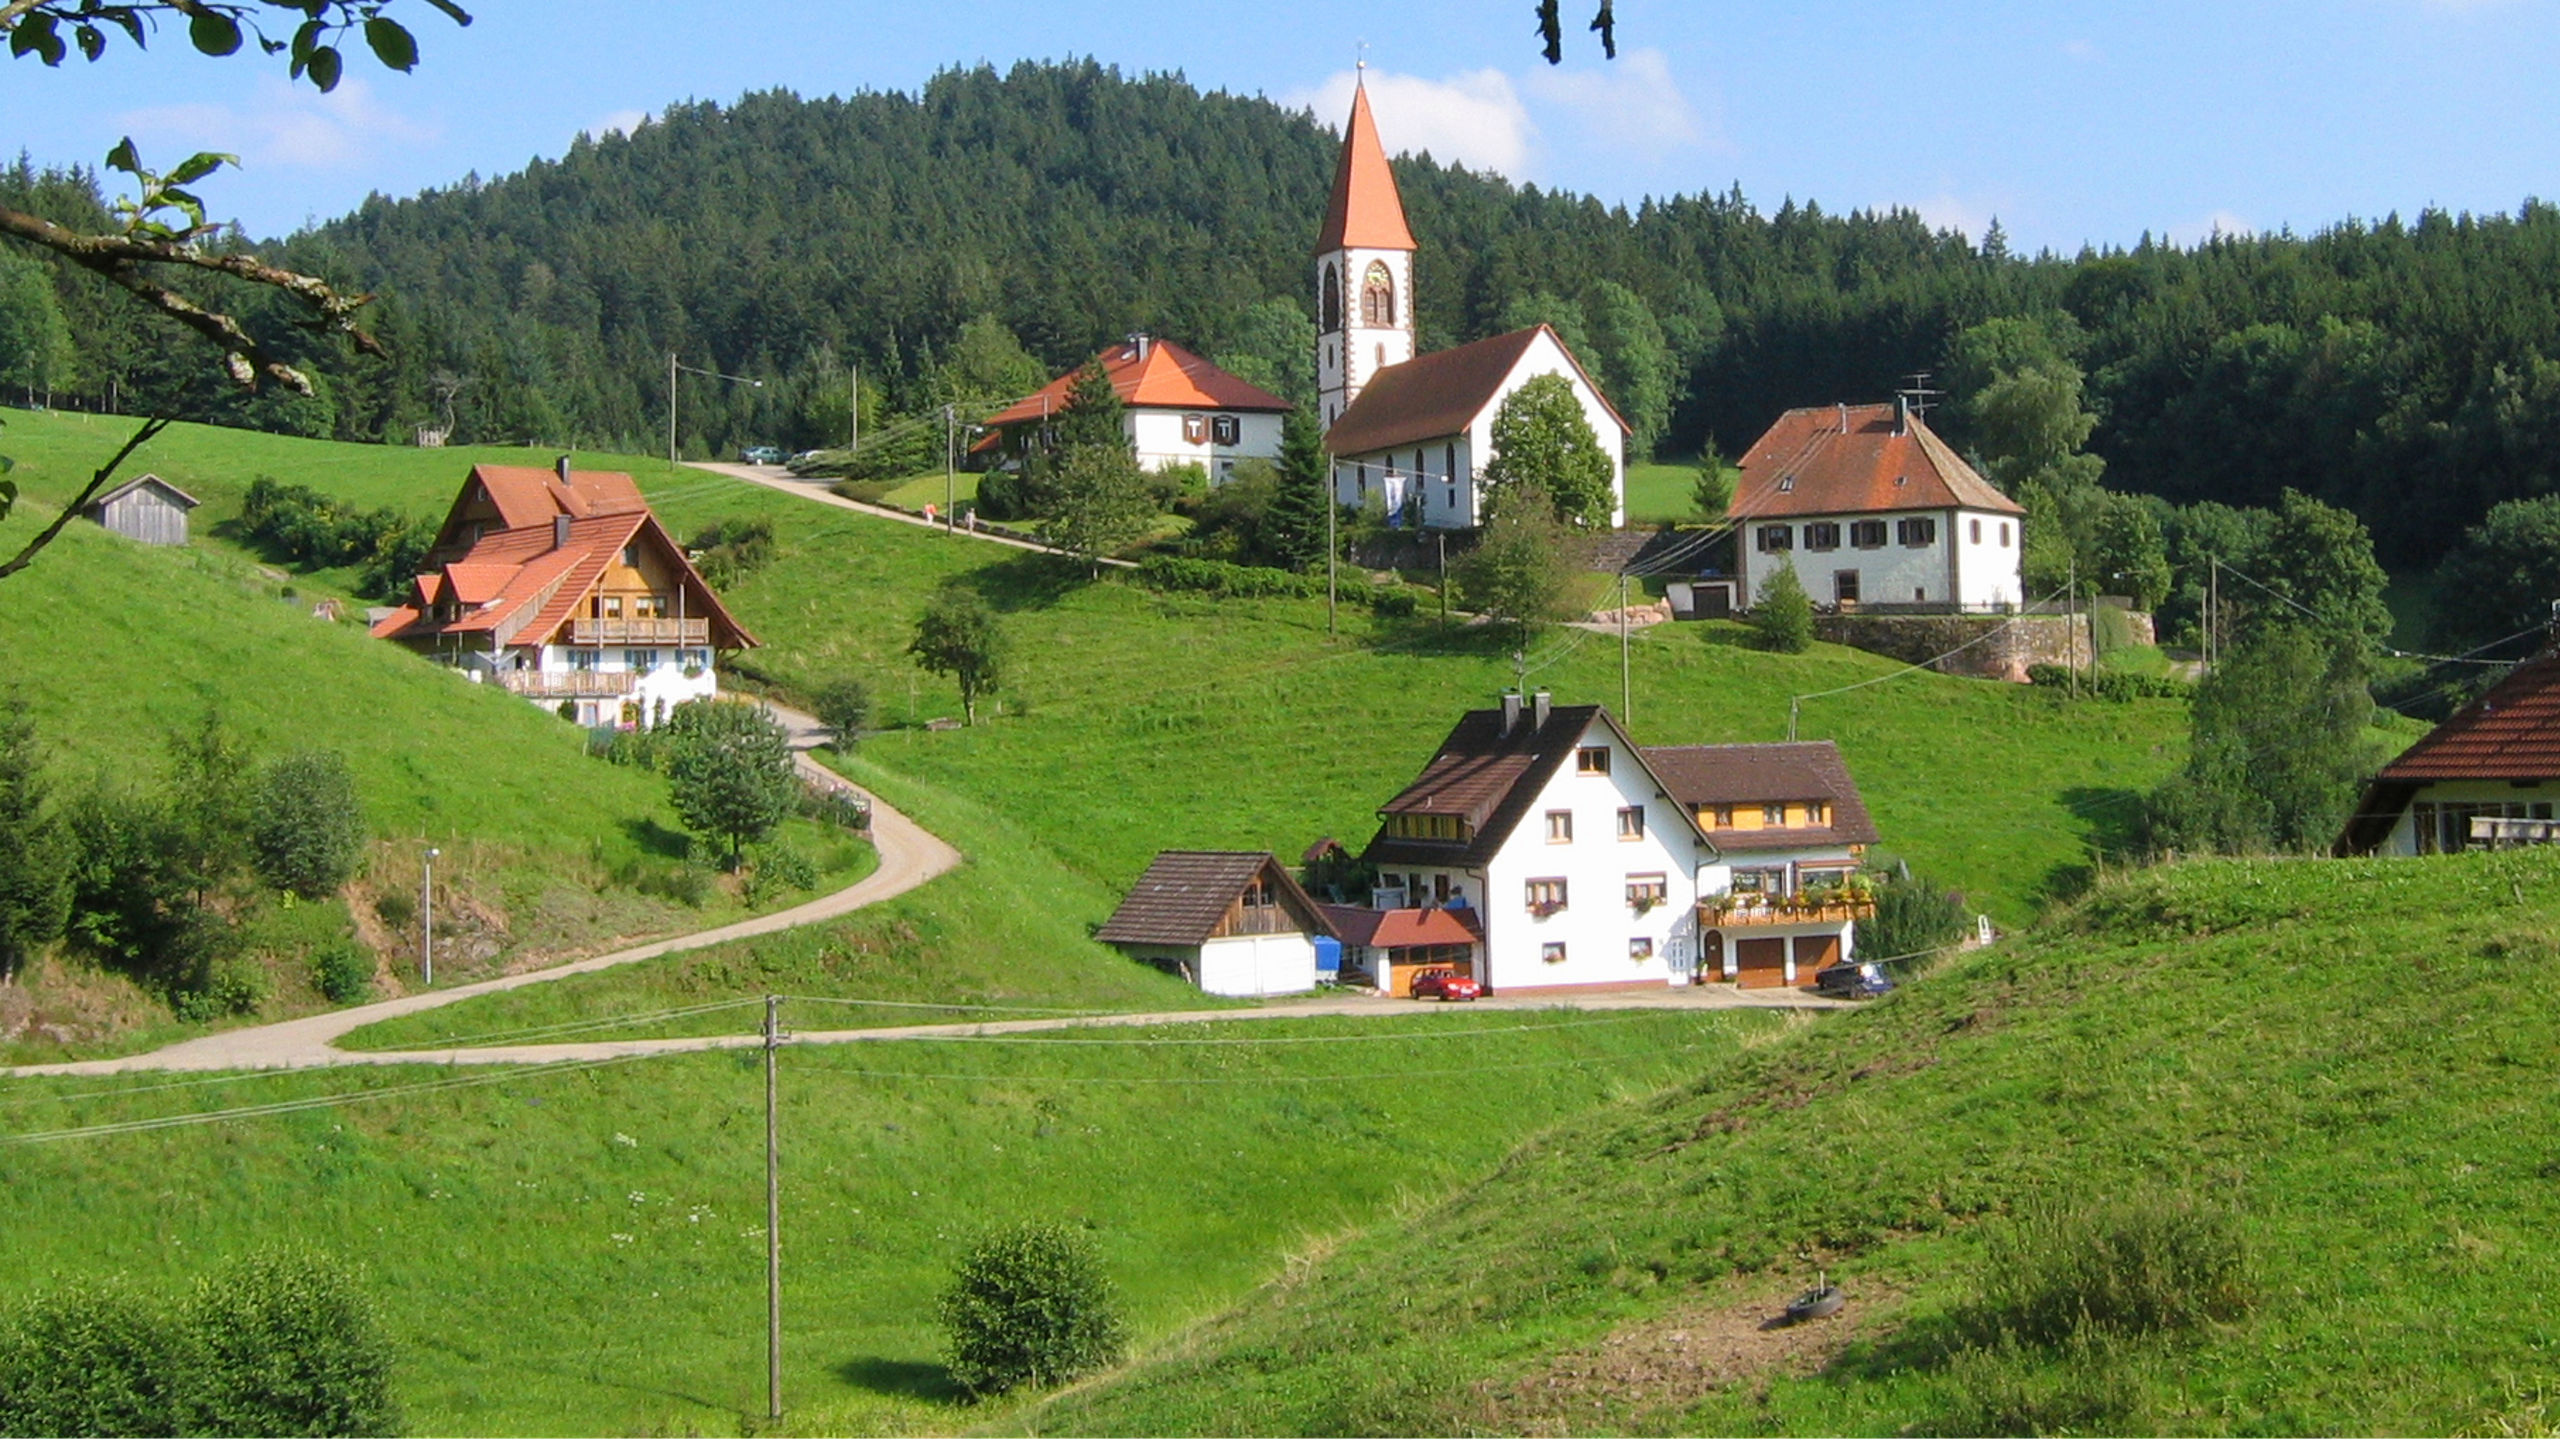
305 37
199 165
324 67
93 43
392 45
459 15
193 207
8 491
35 34
122 157
213 32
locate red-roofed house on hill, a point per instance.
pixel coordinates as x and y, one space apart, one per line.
561 586
2487 776
1410 431
1178 410
1874 512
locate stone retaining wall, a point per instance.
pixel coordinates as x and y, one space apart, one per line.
2021 641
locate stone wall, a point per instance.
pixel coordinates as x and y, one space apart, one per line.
2020 641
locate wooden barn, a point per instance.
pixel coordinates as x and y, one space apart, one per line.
148 509
1231 922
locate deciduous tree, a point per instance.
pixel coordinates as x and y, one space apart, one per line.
1782 615
35 850
958 636
729 771
1521 570
307 831
1541 437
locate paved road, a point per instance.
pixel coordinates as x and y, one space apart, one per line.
774 477
909 856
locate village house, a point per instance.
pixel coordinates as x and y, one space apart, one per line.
1413 433
2485 777
1177 409
1874 512
561 586
1565 855
1232 922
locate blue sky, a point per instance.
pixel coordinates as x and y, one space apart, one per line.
2070 122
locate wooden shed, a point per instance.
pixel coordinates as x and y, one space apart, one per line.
1231 922
148 509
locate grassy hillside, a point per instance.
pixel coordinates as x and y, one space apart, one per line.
2320 1049
582 1252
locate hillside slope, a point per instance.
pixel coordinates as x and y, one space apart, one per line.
2354 1058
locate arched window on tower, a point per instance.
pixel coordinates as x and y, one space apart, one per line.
1332 298
1377 295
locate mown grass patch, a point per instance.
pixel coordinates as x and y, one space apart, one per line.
582 1250
1660 494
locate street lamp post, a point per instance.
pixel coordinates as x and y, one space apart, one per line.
673 368
427 917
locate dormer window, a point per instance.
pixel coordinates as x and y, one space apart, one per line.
1786 482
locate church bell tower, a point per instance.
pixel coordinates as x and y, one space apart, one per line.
1364 270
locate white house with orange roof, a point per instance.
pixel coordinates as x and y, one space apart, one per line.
561 586
1414 432
1178 409
1874 512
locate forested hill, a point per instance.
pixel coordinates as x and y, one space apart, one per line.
2410 371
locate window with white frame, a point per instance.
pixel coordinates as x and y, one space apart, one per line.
1559 827
1631 822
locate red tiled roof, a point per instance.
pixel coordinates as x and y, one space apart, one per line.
1439 394
1150 374
1395 929
1847 460
1699 775
1366 212
2510 733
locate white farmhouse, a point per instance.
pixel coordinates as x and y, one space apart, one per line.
1229 921
561 586
1177 409
1414 432
1874 512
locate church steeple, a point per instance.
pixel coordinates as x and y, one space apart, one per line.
1364 268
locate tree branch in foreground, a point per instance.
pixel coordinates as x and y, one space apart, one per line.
97 482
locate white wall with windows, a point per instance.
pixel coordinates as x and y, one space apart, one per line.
1212 439
2438 819
1364 322
1963 558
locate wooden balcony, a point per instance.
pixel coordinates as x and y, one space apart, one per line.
567 684
639 632
1741 912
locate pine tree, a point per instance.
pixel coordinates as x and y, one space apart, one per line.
1293 529
35 854
1782 618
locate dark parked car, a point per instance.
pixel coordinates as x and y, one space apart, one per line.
1854 980
761 455
1442 983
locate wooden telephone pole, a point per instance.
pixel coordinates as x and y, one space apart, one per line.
772 1207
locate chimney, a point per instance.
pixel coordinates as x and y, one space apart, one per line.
1510 711
1138 345
562 465
1844 417
559 532
1901 413
1539 705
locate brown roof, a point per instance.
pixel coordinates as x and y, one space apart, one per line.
1153 374
1365 212
1847 460
1439 394
1398 929
1490 780
1698 775
2510 733
1185 893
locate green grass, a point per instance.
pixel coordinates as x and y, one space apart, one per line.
1658 494
935 489
2321 1047
582 1252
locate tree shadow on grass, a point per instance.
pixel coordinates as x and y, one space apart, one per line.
1027 580
905 1379
656 839
2113 814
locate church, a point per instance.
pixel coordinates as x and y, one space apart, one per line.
1412 432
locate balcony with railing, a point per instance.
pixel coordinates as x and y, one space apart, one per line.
651 631
1742 912
567 684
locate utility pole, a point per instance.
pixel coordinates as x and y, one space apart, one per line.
1442 536
1332 545
2071 625
950 464
772 1208
1626 668
855 443
671 407
427 917
2212 606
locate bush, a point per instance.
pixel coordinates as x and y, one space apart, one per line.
289 1346
780 869
2124 1267
307 832
843 705
1782 618
687 885
843 807
343 971
1028 1304
1913 916
231 985
1229 581
396 908
100 1359
729 550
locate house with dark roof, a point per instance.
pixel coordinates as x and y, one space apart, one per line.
1177 409
1874 512
1413 432
2487 776
1576 857
561 586
1232 922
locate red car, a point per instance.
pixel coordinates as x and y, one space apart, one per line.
1442 983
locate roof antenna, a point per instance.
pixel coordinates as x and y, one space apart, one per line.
1360 65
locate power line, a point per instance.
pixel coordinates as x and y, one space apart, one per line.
311 1102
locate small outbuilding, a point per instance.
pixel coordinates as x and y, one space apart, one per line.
148 509
1232 922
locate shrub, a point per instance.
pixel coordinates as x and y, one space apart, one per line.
1028 1304
342 970
396 908
1229 581
568 710
843 705
290 1346
307 831
1912 916
99 1359
230 985
2122 1267
843 807
1782 618
729 550
687 885
781 868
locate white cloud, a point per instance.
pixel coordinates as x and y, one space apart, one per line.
619 122
2221 223
1473 119
289 126
1948 212
1633 101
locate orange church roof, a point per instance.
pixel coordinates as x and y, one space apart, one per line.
1152 374
1367 213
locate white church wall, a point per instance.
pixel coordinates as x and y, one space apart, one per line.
1346 360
